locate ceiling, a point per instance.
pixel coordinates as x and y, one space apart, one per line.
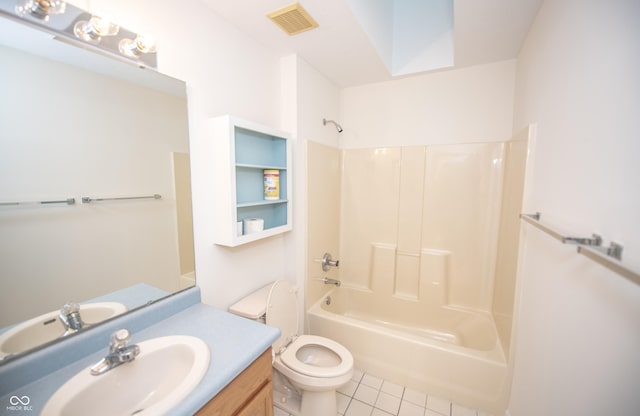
484 31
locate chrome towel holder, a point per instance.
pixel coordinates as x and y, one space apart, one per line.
68 201
591 247
87 200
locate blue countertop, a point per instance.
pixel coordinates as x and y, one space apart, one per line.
234 343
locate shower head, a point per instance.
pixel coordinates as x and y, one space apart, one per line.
338 126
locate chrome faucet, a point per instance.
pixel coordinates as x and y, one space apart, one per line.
328 262
119 353
71 319
329 281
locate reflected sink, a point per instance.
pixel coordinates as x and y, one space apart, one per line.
162 376
47 327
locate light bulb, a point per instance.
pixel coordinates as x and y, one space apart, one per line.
95 29
40 9
135 48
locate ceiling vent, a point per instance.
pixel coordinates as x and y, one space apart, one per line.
293 19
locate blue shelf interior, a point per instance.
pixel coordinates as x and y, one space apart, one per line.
259 149
255 152
274 215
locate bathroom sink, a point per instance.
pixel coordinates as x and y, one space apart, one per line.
158 379
47 327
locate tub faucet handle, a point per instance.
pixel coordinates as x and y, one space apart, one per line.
327 262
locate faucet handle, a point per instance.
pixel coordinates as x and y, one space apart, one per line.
69 308
119 339
327 262
70 318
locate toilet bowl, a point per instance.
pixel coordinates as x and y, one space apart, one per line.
316 366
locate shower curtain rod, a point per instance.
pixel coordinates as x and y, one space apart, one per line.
591 247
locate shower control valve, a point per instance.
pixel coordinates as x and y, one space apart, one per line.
328 262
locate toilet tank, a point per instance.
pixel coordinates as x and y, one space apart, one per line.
253 306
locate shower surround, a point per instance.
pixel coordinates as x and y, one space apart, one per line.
428 240
421 223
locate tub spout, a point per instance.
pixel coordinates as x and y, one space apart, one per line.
328 281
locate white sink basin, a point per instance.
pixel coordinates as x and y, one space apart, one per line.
164 373
47 327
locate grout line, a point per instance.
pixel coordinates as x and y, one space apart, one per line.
402 399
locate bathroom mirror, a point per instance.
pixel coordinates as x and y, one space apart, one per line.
95 202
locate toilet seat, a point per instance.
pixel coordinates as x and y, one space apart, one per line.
282 312
289 357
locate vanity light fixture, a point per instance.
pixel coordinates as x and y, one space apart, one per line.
79 27
137 47
94 29
40 9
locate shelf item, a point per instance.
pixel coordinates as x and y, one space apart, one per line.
243 151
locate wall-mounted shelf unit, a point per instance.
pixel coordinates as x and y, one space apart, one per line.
243 150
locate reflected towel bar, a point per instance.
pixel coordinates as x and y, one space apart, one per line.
87 200
591 247
68 201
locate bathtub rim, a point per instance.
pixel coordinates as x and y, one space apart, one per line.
495 355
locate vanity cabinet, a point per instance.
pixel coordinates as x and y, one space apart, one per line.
243 151
249 394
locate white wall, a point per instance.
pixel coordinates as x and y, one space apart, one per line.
473 104
578 332
226 73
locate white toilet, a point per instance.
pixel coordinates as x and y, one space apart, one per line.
316 366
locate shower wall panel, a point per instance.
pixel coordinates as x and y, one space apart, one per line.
461 210
420 223
369 209
323 220
504 287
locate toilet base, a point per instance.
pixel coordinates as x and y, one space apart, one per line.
285 396
324 405
297 402
290 405
319 403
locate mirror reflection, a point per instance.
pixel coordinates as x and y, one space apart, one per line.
95 201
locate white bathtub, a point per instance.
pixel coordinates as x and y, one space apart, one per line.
447 352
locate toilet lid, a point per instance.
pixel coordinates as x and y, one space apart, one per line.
282 313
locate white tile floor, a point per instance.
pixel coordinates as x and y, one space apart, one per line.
366 395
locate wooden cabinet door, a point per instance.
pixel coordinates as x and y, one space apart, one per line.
261 404
251 390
